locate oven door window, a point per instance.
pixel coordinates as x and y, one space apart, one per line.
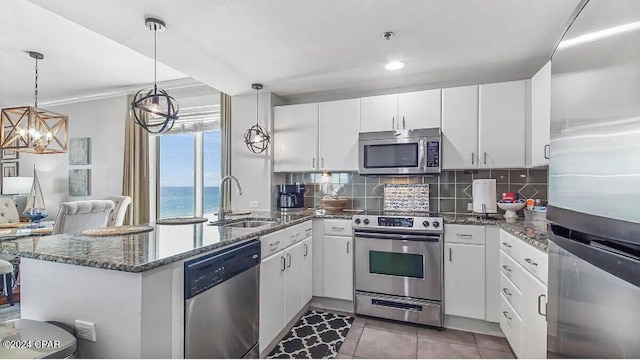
391 156
396 264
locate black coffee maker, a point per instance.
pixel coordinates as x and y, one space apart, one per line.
290 197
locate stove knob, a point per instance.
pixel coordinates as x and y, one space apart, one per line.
425 223
357 221
366 221
436 224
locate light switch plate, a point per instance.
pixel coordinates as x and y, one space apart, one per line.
253 204
470 206
86 330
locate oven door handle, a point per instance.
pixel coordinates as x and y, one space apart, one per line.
387 236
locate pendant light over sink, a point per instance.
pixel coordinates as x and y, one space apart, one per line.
257 138
33 130
153 109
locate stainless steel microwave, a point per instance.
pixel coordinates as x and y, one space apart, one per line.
406 152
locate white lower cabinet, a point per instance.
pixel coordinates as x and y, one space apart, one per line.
338 267
464 280
271 298
286 279
523 295
464 271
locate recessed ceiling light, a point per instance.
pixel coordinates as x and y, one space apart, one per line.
394 65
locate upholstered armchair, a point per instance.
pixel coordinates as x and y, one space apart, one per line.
76 216
8 211
117 214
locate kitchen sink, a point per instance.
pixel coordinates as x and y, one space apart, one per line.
245 223
251 223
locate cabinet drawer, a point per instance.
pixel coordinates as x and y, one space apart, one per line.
511 293
535 261
296 233
511 325
337 227
274 242
511 269
464 234
510 244
307 229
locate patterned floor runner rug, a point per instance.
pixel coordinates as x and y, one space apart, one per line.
317 335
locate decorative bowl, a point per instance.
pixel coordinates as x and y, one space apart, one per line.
511 208
334 205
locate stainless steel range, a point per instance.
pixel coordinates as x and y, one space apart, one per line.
398 266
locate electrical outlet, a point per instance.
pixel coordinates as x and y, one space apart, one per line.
253 204
86 330
470 206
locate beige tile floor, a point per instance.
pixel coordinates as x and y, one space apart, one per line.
374 338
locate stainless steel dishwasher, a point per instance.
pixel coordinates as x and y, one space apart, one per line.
221 308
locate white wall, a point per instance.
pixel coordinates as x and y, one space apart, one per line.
101 120
254 171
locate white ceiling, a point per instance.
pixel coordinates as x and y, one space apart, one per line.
76 61
315 46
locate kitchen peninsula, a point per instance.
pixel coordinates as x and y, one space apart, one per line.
130 286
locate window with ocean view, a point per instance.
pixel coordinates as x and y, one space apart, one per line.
189 164
177 175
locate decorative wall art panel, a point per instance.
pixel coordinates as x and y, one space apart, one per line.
409 197
79 151
79 182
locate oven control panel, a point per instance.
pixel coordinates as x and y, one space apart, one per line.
398 222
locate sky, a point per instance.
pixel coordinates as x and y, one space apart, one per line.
176 159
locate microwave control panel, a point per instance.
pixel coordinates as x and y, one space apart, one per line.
433 154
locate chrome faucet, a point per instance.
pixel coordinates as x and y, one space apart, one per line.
221 210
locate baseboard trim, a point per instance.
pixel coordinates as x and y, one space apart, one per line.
344 306
472 325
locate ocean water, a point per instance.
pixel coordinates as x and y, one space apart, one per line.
178 200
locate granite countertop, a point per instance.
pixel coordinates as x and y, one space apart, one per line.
532 232
141 252
170 243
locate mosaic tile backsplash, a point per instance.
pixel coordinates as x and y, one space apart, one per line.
450 192
406 197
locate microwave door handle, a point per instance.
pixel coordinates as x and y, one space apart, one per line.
422 159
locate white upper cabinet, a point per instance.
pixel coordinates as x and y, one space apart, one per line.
379 113
414 110
539 123
501 130
419 110
460 128
295 140
339 122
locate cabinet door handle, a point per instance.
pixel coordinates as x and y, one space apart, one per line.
322 163
547 151
506 244
274 246
473 158
485 158
306 250
530 262
283 263
313 163
506 314
289 258
506 291
539 305
393 123
348 247
337 228
404 126
449 254
506 268
468 236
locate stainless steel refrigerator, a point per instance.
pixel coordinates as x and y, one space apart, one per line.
593 308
